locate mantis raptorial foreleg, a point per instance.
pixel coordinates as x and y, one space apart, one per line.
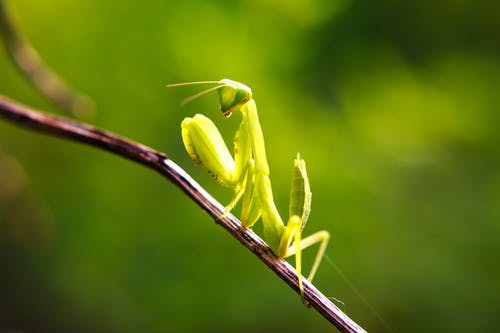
248 174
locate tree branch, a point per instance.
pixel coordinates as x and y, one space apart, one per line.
57 126
44 79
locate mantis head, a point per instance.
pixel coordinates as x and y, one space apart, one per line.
232 95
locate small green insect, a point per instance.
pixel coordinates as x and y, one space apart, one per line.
248 173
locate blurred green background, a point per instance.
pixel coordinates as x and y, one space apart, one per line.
394 105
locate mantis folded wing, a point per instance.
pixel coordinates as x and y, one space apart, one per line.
248 174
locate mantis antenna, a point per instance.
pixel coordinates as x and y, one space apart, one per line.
197 95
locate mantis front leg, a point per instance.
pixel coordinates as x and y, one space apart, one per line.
207 148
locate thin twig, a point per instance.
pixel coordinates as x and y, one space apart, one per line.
44 79
57 126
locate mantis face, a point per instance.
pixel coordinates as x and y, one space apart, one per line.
232 96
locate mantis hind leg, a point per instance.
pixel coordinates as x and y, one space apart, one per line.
293 244
292 234
322 237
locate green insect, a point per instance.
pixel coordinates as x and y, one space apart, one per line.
248 173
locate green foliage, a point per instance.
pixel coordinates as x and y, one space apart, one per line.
393 105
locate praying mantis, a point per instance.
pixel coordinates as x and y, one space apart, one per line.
248 173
